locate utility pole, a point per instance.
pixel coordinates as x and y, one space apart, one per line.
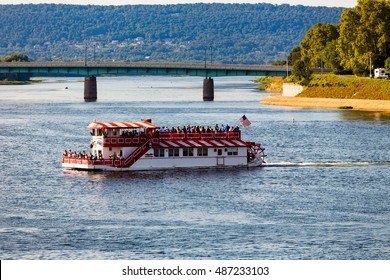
287 66
211 54
370 67
94 52
85 56
205 58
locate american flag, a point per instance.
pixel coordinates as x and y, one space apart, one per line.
244 121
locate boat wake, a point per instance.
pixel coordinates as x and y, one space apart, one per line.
326 163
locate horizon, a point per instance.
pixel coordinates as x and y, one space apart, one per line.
318 3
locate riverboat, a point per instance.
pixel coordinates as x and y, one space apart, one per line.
126 146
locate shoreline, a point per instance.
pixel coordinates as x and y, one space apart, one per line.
327 103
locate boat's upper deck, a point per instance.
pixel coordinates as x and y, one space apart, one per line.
136 133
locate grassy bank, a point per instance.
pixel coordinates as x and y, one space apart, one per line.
347 87
334 86
337 92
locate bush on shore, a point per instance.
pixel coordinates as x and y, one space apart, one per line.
270 84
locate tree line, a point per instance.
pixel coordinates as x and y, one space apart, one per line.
358 44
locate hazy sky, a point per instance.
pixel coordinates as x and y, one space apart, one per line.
329 3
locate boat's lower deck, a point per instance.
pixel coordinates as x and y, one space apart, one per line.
153 163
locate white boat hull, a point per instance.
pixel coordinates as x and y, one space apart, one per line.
147 164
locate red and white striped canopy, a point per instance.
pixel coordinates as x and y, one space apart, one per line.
118 125
221 143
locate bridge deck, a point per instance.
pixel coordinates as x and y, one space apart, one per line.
121 68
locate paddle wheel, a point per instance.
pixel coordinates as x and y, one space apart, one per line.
256 154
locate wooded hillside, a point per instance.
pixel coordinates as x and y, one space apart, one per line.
233 33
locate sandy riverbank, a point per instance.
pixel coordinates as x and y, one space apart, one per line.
327 103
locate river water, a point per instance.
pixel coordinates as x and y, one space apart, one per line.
324 193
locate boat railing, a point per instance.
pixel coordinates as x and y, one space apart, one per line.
200 136
137 140
87 161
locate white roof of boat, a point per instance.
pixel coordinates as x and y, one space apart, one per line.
118 125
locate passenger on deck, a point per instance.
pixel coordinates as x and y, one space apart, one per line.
113 156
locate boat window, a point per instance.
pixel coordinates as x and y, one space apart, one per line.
232 151
159 152
220 152
188 152
173 152
202 152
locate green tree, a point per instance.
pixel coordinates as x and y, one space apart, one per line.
364 35
279 62
16 57
315 41
387 64
331 57
302 72
294 56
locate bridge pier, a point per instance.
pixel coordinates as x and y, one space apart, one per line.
208 89
90 89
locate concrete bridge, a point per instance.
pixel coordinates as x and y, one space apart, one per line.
91 70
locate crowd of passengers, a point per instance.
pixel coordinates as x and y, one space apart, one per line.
199 129
95 156
184 129
83 154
